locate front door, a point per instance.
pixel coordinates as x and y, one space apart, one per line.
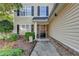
42 31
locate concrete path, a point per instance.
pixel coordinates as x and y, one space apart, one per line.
44 48
43 39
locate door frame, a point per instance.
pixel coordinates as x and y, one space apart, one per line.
39 30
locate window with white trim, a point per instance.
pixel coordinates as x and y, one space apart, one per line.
26 11
25 27
43 11
22 27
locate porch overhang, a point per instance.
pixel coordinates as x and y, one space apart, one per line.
40 19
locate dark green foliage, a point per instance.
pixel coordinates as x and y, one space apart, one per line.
6 10
6 26
8 7
27 34
11 52
13 37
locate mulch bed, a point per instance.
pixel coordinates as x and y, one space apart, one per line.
61 50
20 43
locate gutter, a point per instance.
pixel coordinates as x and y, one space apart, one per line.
57 8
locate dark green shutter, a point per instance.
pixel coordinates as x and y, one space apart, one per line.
18 29
47 11
38 11
18 12
32 10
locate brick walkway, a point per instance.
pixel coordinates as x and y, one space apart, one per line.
26 46
44 48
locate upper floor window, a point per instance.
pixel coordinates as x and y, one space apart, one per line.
42 10
26 11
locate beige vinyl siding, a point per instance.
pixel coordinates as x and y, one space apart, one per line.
65 26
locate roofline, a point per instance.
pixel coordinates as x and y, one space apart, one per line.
57 7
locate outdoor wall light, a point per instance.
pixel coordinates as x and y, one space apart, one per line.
55 14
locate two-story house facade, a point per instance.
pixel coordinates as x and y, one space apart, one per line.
33 18
58 21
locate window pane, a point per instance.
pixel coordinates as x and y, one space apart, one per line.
22 27
27 26
28 11
42 10
22 12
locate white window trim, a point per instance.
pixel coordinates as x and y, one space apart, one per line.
26 11
25 29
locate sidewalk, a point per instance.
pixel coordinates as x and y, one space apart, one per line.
44 48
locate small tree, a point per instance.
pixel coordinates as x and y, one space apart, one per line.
7 10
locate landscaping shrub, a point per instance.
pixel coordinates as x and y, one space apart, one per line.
13 37
11 52
6 26
28 34
1 37
9 37
4 36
